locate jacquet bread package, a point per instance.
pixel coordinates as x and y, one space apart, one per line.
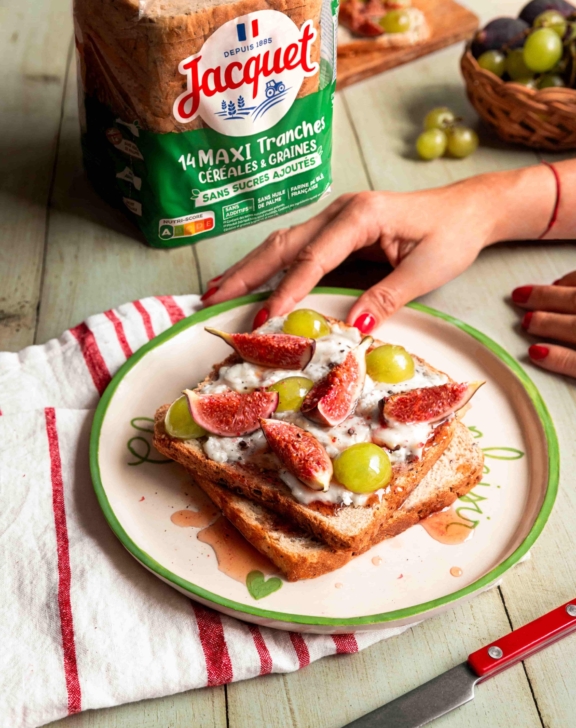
199 117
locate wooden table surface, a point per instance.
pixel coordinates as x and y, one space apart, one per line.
65 255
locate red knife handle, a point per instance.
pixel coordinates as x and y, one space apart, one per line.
524 641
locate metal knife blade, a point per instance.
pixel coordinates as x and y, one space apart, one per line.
425 703
456 687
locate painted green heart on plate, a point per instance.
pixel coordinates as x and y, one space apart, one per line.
259 588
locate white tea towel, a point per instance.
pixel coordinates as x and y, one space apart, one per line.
82 624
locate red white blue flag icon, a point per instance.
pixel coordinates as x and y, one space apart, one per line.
241 30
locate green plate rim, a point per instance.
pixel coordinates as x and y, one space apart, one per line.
385 617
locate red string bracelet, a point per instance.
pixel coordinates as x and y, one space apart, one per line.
554 215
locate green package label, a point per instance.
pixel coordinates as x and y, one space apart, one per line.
263 149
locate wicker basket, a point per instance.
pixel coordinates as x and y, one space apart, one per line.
543 119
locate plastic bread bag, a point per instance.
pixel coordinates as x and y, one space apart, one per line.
203 116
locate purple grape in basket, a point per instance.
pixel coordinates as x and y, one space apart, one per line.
500 32
530 12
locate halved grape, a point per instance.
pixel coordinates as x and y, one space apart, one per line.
431 144
515 66
363 468
550 80
552 19
389 363
179 423
542 50
462 142
291 392
305 322
439 118
493 61
396 21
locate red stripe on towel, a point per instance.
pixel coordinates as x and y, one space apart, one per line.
211 632
64 571
174 311
345 644
120 333
262 650
301 649
146 319
92 356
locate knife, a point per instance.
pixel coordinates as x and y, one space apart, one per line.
456 687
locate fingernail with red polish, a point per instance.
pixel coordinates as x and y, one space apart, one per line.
215 280
365 323
261 317
526 320
522 294
209 292
556 282
538 352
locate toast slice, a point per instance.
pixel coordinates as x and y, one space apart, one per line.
350 43
301 556
352 527
347 527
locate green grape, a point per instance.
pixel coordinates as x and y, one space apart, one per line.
396 21
363 468
439 118
291 392
528 81
515 66
493 61
542 50
389 363
305 322
561 66
431 144
550 80
179 422
552 19
462 142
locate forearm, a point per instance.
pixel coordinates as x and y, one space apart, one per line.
520 202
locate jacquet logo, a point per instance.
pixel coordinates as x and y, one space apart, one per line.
248 73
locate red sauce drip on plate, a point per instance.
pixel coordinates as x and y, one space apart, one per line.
202 514
448 527
236 557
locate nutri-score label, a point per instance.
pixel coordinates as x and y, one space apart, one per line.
262 151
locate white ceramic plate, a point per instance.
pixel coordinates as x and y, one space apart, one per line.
398 581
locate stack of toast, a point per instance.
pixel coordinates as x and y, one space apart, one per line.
305 537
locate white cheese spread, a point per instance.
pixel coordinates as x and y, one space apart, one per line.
403 442
336 493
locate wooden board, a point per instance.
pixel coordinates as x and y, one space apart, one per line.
449 23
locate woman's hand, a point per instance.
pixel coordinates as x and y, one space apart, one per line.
429 237
551 314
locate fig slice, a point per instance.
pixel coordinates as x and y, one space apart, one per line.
429 404
276 351
230 414
299 452
334 398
